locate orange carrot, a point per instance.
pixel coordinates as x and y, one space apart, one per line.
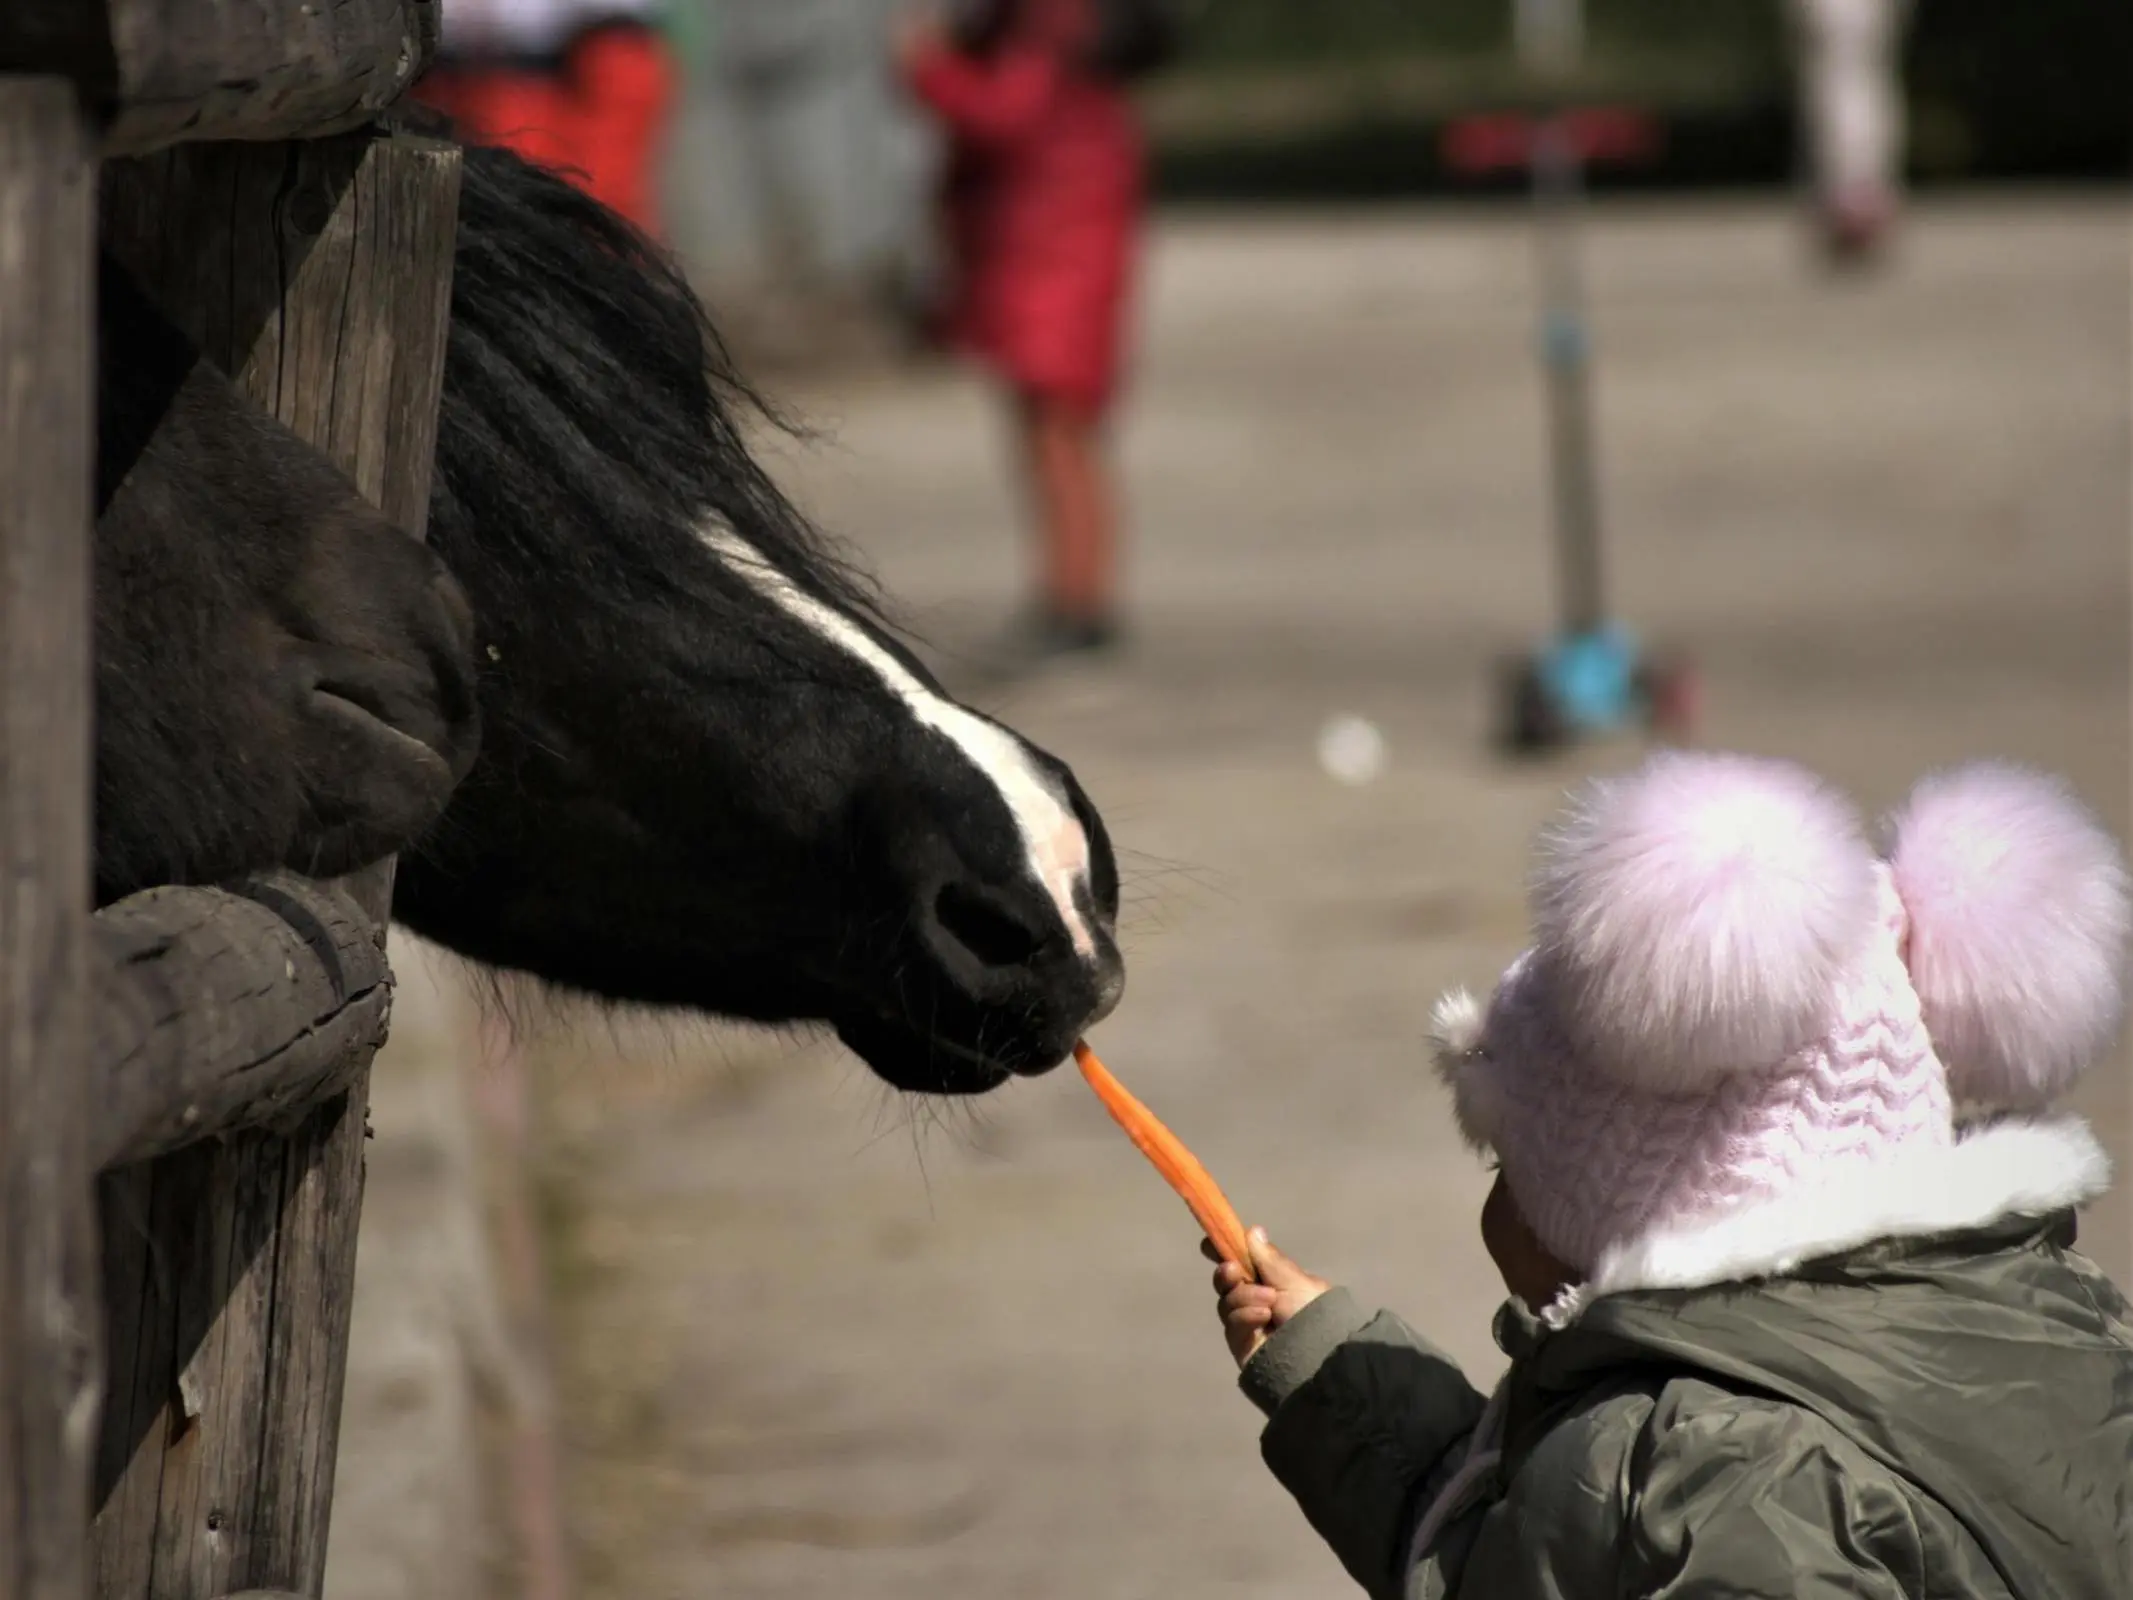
1180 1168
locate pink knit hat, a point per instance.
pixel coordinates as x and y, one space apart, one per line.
1730 998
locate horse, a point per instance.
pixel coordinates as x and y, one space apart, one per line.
632 726
283 677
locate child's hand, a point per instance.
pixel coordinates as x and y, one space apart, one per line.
1251 1311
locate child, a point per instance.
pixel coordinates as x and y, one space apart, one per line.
1789 1235
1043 204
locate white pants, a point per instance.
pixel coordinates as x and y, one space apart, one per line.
1851 94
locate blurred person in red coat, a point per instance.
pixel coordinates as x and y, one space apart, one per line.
582 87
1043 205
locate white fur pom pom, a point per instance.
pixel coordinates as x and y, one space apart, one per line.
1695 915
1457 1025
2019 916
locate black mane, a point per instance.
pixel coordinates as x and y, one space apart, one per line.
552 287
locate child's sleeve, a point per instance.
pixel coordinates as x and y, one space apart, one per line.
991 101
1362 1415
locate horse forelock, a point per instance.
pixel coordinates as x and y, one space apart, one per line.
593 414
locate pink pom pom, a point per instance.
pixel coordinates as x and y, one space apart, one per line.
1695 915
2019 918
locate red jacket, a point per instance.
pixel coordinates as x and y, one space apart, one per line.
1043 208
593 108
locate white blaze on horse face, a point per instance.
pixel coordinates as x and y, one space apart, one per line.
1057 844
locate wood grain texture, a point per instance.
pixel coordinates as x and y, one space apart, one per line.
161 71
221 1009
360 230
317 275
48 1359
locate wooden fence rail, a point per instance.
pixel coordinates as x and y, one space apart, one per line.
156 72
217 1010
206 1051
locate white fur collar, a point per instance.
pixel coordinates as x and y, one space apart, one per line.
2011 1169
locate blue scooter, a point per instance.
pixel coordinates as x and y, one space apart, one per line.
1592 678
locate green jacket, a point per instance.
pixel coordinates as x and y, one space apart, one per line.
1938 1418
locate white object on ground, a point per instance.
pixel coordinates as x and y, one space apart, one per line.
1351 749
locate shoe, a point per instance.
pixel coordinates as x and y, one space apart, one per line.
1044 634
1856 229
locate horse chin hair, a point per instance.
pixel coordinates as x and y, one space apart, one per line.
907 1060
532 1010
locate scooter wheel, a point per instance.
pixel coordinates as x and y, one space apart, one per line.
1673 698
1531 723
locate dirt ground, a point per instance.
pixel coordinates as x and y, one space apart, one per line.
819 1343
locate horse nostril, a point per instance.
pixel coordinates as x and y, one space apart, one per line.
989 931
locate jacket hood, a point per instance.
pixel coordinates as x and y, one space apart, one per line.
1988 1366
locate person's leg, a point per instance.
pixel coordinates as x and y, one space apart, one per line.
1850 63
1075 510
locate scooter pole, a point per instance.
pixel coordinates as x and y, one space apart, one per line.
1549 35
1591 678
1566 354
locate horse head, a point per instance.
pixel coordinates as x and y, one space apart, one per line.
711 775
283 677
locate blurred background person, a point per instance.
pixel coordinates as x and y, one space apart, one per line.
1042 210
583 87
1850 59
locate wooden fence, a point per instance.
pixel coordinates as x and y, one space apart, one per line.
182 1076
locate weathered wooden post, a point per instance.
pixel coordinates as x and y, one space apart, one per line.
48 1315
318 275
206 1049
